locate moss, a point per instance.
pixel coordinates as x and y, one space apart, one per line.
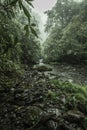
43 68
52 95
76 95
70 87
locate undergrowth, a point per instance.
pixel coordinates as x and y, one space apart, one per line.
75 95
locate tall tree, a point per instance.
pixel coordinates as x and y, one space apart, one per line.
62 13
68 35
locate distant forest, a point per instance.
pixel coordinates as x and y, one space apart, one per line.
67 28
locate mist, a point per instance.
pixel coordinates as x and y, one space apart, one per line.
40 6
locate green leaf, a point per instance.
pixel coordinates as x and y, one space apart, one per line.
13 2
34 32
20 4
26 12
26 28
33 24
29 2
15 39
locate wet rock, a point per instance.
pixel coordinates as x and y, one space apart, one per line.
64 127
68 126
32 116
51 125
84 123
74 116
42 68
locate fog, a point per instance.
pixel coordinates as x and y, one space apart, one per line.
40 6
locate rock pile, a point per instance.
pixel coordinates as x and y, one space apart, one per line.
31 104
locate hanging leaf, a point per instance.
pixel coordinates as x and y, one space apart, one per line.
26 28
26 12
34 32
33 25
20 4
29 2
13 2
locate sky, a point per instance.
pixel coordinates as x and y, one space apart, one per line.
43 5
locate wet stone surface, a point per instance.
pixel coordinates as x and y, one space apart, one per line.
67 72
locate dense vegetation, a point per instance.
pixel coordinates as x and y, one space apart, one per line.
31 99
67 27
19 46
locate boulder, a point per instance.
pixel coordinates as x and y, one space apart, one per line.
74 116
42 68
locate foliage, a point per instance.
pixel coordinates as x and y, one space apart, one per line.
75 95
67 41
31 50
61 14
18 38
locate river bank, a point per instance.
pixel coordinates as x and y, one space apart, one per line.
68 72
39 103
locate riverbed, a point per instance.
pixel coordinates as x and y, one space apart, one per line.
67 72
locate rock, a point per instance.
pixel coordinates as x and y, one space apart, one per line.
84 123
51 125
74 116
63 126
42 68
67 126
35 102
32 116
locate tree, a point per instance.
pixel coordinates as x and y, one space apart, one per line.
12 32
61 14
68 42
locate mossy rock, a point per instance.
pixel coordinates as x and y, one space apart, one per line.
42 68
32 115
